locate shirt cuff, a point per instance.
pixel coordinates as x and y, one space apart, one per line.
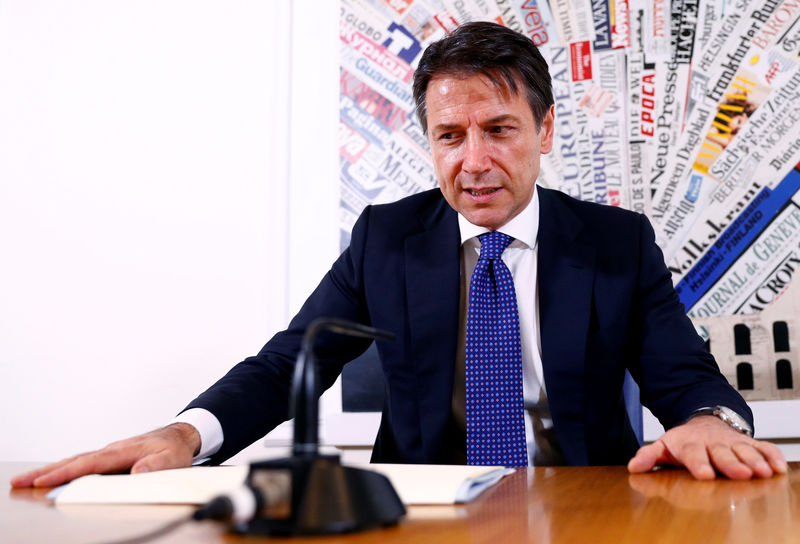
209 428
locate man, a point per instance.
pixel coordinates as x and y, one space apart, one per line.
592 292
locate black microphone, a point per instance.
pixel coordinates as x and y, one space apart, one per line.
305 396
315 494
308 493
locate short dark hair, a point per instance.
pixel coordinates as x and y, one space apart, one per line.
502 55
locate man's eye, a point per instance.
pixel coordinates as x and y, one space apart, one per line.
498 130
448 137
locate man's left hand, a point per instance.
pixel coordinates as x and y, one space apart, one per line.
705 445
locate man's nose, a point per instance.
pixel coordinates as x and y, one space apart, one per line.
476 155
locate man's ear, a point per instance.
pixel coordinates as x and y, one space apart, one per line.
546 131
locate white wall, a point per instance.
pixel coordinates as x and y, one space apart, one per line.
159 213
151 186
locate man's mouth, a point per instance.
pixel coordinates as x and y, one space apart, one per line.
482 192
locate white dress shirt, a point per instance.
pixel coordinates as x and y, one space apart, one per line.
521 259
209 428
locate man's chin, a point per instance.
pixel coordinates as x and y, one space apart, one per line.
489 219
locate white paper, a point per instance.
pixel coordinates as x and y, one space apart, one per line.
195 485
437 484
415 484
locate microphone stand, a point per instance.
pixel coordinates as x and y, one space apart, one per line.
323 496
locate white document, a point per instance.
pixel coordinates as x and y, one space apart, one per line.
439 484
415 484
194 485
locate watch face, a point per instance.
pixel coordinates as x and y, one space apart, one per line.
734 420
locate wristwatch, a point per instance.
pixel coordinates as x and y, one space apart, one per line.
727 415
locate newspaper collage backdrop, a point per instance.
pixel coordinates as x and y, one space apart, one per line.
687 111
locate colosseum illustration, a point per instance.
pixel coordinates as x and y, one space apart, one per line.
759 353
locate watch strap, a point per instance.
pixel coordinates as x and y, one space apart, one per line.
728 416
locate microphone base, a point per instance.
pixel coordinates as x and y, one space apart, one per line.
325 498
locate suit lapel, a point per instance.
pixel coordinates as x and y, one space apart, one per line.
432 286
566 270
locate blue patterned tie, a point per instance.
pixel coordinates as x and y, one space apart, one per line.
495 421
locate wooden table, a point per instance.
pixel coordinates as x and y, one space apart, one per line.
548 505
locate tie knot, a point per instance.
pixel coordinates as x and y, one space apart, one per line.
493 244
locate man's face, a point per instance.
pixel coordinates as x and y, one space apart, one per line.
485 147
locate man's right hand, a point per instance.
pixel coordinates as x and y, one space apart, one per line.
173 446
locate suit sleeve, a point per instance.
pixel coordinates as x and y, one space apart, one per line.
676 373
253 397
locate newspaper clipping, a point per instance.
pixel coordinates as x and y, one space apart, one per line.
686 111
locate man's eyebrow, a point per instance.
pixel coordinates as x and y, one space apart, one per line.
446 127
501 119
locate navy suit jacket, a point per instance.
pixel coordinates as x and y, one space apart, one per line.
606 304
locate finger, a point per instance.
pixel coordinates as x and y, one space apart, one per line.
160 461
752 457
773 455
26 479
723 458
648 457
696 460
100 462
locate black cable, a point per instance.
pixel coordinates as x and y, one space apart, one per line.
218 509
152 535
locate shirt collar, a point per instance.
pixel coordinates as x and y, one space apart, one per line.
523 227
